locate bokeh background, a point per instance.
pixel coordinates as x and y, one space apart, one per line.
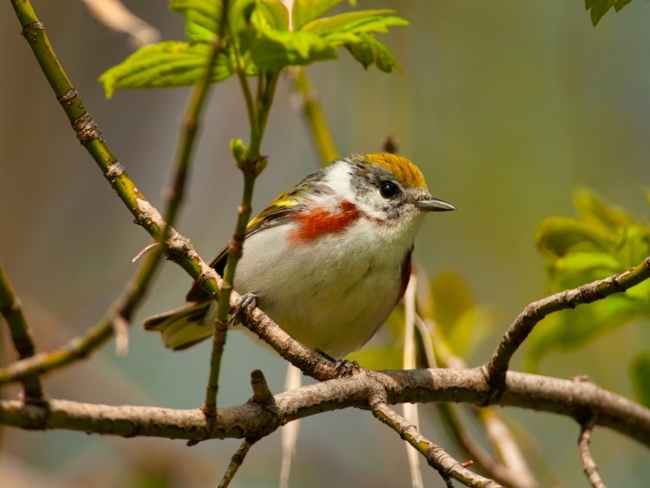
506 106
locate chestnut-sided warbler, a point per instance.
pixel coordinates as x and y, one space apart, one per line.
328 260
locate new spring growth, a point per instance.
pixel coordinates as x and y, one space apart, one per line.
240 152
251 166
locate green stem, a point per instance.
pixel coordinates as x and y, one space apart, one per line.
123 308
21 335
251 168
315 117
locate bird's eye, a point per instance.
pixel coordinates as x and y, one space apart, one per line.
388 190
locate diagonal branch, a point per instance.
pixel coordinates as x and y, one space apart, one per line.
235 462
437 457
21 336
523 325
588 463
513 472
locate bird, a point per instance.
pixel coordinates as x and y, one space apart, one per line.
328 260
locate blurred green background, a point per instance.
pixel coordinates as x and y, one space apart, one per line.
507 107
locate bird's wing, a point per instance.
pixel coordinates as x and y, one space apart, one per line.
276 213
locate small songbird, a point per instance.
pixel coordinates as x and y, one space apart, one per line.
328 260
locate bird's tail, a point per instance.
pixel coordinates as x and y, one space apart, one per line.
184 326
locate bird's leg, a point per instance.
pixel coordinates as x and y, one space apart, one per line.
247 302
344 367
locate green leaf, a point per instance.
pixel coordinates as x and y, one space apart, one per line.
594 211
578 268
355 22
275 14
166 64
558 236
571 329
619 4
205 13
197 33
239 14
304 11
600 7
368 50
274 49
640 377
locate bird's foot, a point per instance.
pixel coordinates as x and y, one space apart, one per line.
343 366
347 368
246 302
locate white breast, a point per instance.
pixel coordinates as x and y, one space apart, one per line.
332 293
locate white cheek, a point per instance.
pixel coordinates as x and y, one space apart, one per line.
372 205
338 179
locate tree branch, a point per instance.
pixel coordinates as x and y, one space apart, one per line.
436 456
523 325
235 462
590 468
255 419
21 336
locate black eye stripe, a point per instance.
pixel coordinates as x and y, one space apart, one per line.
388 189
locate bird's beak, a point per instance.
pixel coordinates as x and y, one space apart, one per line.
434 205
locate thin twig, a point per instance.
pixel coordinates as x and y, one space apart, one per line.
120 312
144 251
251 166
436 456
21 336
235 462
523 325
503 473
588 463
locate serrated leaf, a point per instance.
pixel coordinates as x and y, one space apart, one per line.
619 4
205 13
578 268
634 245
239 14
357 22
378 359
639 369
304 11
275 14
274 49
368 50
594 211
598 9
571 329
557 236
166 64
198 33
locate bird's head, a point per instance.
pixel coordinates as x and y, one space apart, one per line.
385 187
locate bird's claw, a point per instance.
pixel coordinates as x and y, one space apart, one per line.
346 368
246 302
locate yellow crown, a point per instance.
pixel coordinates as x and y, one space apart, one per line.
403 169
